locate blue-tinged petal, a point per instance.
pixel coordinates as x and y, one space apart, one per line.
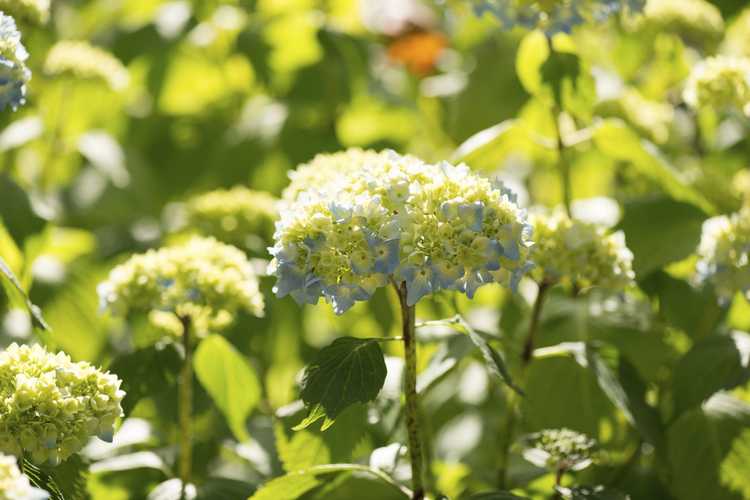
515 277
445 274
387 256
418 283
290 278
314 243
473 280
510 250
343 297
372 282
493 252
310 292
165 282
472 214
449 210
361 262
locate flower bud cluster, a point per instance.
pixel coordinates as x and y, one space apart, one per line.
237 216
571 251
13 71
202 279
720 83
561 449
82 60
51 406
553 16
35 11
398 219
724 254
13 484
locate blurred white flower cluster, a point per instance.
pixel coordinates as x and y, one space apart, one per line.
35 11
80 59
51 406
721 83
13 484
202 279
724 254
391 218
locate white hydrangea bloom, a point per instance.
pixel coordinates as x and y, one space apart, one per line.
51 406
724 254
14 485
83 60
721 83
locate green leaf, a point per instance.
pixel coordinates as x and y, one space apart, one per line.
146 372
229 380
620 142
348 371
532 53
646 417
493 359
733 472
660 232
67 481
302 450
36 313
716 363
699 442
295 484
220 488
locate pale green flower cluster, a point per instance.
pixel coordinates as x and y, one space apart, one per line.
697 20
82 60
238 216
14 75
51 406
579 253
737 37
724 254
13 484
396 218
721 83
561 449
325 168
35 11
202 279
652 117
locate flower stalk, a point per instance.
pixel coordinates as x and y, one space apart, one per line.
186 409
411 405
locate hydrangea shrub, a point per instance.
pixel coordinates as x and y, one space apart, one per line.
50 406
204 279
398 219
14 75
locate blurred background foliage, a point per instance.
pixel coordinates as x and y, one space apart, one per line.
223 93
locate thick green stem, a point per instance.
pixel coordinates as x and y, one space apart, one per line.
410 392
186 409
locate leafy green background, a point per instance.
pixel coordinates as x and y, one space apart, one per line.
244 90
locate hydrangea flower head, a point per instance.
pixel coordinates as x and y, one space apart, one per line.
400 220
724 254
203 279
553 16
721 83
327 167
572 251
560 449
82 60
13 484
13 71
35 11
237 216
51 406
696 20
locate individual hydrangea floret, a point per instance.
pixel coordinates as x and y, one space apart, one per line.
203 279
14 485
584 254
35 11
51 406
553 16
237 216
14 75
399 220
325 168
560 449
698 21
721 83
724 254
82 60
